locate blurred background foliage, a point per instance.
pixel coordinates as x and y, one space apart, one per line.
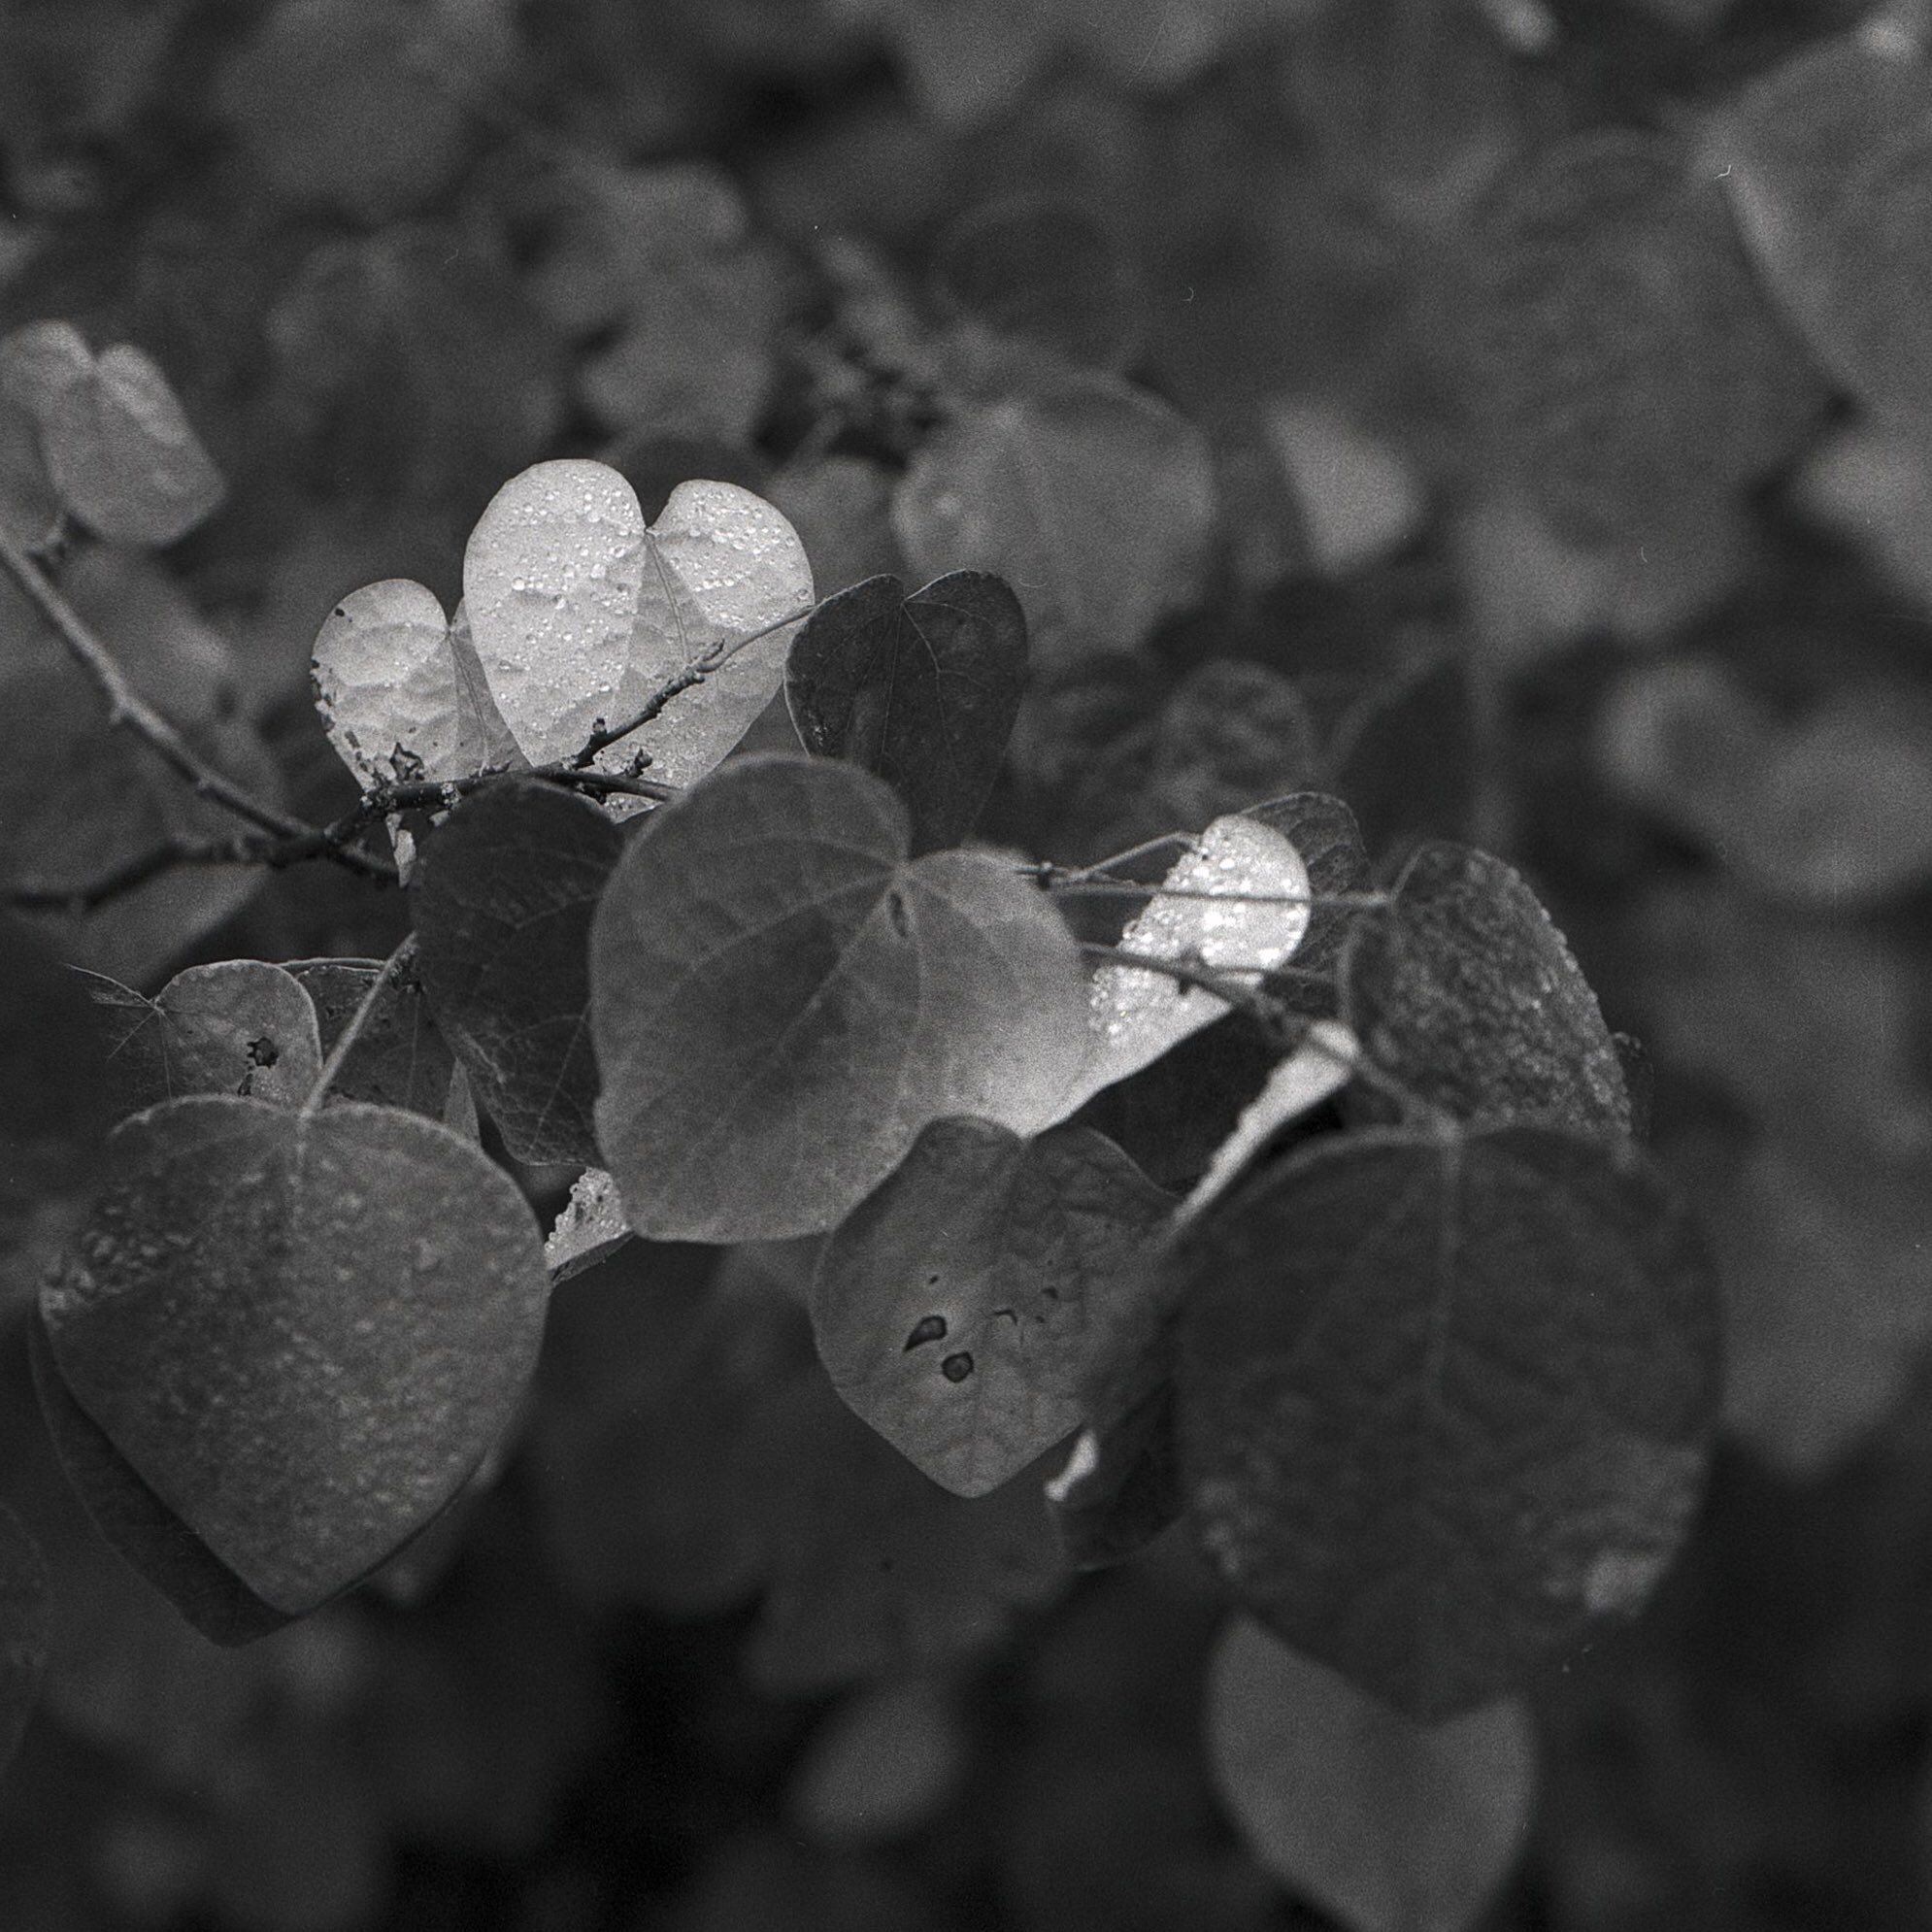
1545 512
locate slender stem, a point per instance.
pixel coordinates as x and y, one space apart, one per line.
1126 887
129 710
346 1042
1205 979
695 672
131 873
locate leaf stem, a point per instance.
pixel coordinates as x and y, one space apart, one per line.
346 1041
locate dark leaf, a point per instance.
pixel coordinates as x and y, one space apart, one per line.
1121 1484
1465 993
399 1058
922 690
502 900
1405 756
1444 1400
132 1518
1324 832
957 1307
25 1629
781 1001
878 1571
241 1026
303 1333
1388 1825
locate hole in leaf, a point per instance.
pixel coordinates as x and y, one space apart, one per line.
957 1368
931 1329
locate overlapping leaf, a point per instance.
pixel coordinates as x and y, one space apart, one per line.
1444 1399
301 1332
781 1001
921 689
957 1307
399 1059
1390 1825
502 902
240 1026
1466 994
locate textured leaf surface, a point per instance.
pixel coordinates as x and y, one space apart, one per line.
1134 1016
122 455
1444 1400
922 690
590 1228
781 1001
241 1026
1390 1825
1093 497
1466 992
876 1569
302 1333
502 902
399 1059
956 1306
386 684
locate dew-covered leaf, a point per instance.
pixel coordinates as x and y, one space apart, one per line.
922 690
781 1001
551 582
25 1629
956 1307
721 564
302 1333
385 685
590 1228
122 455
1444 1399
876 1569
502 901
143 1528
1827 160
1464 992
399 1059
1391 1825
1135 1016
1092 498
240 1026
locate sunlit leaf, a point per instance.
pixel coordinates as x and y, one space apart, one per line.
590 1228
921 689
386 684
781 1001
956 1306
301 1332
1444 1400
1391 1825
502 901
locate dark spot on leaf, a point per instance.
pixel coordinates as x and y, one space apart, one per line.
931 1329
897 911
263 1053
957 1368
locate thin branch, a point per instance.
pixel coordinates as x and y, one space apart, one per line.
695 672
129 710
346 1041
30 896
1234 992
1077 887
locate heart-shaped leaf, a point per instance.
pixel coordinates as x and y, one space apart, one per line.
398 1059
1390 1825
922 690
1092 495
502 901
1135 1016
781 1001
303 1332
956 1307
240 1026
1444 1399
386 684
1466 994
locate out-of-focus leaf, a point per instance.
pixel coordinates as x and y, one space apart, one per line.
301 1332
502 901
1360 497
880 1765
1466 994
842 509
1391 1825
241 1026
1444 1399
340 102
1835 808
1092 498
781 1000
24 1630
956 1307
399 1059
921 689
1404 754
878 1571
124 456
